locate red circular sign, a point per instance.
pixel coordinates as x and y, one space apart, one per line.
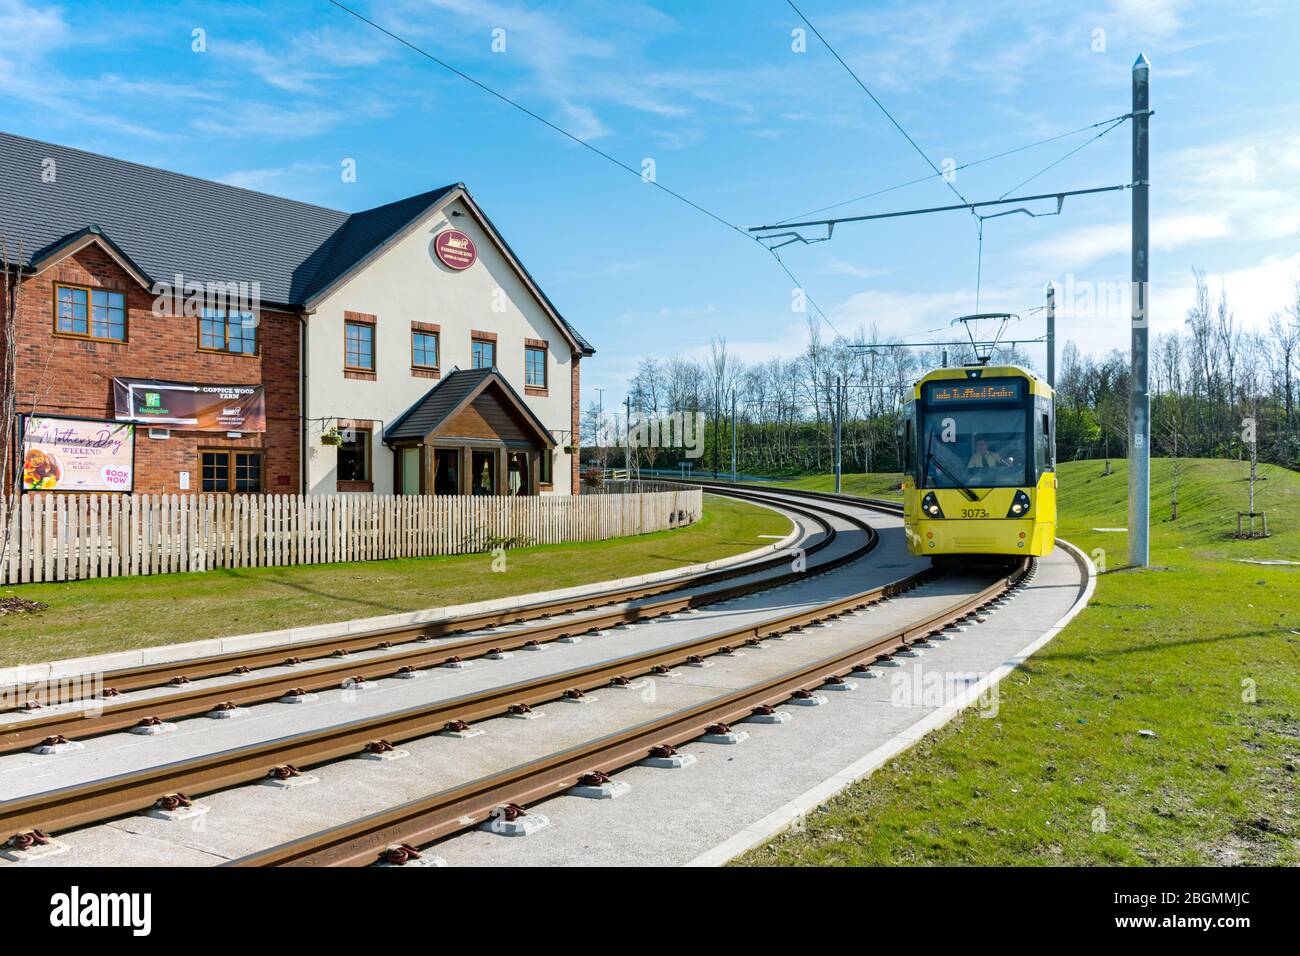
455 249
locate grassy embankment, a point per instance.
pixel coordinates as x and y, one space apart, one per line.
110 614
1202 650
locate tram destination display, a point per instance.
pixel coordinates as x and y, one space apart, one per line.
965 392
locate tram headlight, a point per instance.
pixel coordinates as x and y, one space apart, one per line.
930 506
1019 506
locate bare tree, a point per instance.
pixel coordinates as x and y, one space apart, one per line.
10 466
1286 337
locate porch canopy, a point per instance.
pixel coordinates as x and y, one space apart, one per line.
471 434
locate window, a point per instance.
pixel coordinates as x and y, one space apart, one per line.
544 467
354 455
359 346
909 444
446 471
535 367
1046 448
517 478
90 313
221 330
483 473
424 349
238 471
484 354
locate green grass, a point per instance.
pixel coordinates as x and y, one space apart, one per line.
877 485
111 614
1202 649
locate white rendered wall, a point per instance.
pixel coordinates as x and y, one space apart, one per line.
409 283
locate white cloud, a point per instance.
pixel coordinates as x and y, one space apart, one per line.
1238 189
1090 243
263 119
857 272
1151 18
28 32
287 178
275 69
29 36
1254 292
337 48
119 86
906 314
582 122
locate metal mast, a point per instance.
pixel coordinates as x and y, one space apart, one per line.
1139 444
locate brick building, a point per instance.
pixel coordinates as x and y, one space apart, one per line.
350 324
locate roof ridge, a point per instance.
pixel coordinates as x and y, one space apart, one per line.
440 191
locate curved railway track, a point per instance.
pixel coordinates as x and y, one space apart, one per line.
125 680
391 835
421 821
109 717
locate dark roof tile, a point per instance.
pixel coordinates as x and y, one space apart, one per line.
426 415
169 223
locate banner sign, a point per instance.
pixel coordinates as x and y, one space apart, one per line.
455 249
77 454
189 407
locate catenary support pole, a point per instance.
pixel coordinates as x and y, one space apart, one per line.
839 421
733 436
1051 334
1139 445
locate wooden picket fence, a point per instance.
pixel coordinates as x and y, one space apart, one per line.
72 537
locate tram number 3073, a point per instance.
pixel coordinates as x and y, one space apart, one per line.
974 512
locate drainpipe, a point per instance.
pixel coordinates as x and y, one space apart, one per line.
302 402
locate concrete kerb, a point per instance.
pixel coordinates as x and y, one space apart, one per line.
168 653
789 813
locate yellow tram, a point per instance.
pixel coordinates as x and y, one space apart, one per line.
980 468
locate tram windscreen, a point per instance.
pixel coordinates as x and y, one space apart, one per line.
968 440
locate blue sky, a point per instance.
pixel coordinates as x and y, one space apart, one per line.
736 120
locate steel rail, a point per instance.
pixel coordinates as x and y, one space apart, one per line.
424 820
153 675
722 487
110 797
71 725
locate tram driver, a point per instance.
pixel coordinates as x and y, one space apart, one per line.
985 457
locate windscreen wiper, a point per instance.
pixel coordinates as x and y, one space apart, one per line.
931 460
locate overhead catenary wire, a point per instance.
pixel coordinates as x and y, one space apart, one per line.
979 264
1088 142
588 146
947 180
1059 196
881 106
955 169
